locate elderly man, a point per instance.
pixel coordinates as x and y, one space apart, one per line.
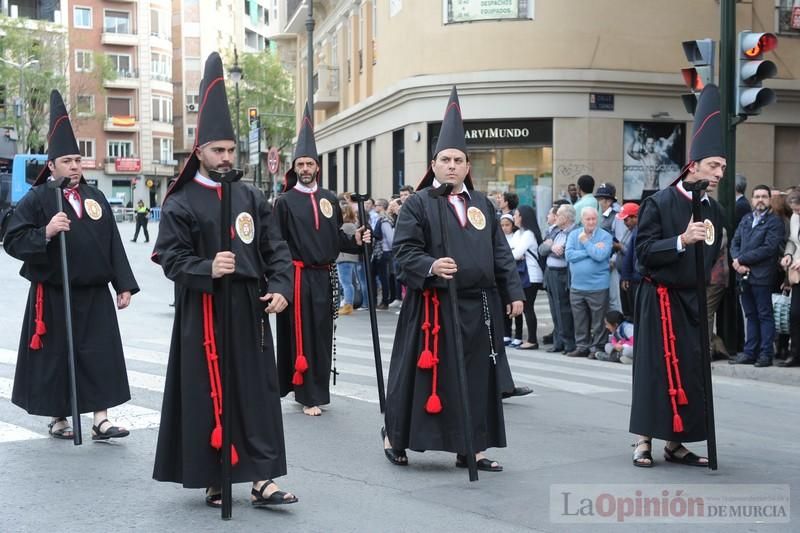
588 251
422 391
556 280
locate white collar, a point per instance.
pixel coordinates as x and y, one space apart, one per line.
436 185
302 188
688 195
206 182
607 211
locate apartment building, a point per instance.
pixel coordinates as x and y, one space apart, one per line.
549 90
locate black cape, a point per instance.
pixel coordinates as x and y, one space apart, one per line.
662 218
187 242
299 213
95 258
484 262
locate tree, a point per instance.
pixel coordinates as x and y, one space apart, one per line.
266 85
42 46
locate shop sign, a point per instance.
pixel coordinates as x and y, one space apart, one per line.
601 102
471 10
88 164
126 164
493 133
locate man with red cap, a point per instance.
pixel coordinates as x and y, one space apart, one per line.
95 258
629 277
668 391
189 445
310 222
423 386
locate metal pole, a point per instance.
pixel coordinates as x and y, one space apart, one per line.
258 165
310 28
225 329
22 107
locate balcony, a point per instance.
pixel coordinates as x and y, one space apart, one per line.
126 79
296 13
326 87
164 167
119 38
122 165
122 124
161 82
164 128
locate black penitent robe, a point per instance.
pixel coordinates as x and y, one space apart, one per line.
187 242
95 258
663 217
484 262
313 233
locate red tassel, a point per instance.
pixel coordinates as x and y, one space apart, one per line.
297 379
36 342
301 363
434 404
40 327
216 438
234 455
682 399
425 360
677 424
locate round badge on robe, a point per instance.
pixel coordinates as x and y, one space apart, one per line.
326 208
710 232
245 228
93 209
476 217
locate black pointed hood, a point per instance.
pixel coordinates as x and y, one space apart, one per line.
213 118
60 137
306 147
707 132
451 135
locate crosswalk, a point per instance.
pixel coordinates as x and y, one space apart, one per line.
147 363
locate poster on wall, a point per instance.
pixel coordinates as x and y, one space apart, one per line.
473 10
654 154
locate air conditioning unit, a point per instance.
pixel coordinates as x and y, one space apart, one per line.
191 108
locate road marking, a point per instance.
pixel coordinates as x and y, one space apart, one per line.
132 416
142 380
12 433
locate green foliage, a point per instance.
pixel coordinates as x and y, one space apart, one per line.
266 85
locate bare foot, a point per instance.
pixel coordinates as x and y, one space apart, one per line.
312 411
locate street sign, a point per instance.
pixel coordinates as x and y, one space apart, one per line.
254 145
273 160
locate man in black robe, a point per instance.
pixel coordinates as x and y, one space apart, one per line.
95 258
423 388
310 222
188 249
668 389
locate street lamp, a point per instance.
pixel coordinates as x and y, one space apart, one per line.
236 75
21 110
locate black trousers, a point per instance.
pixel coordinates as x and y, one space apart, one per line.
141 223
794 321
530 312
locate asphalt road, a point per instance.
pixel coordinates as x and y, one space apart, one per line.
569 437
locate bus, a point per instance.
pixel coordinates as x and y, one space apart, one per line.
17 181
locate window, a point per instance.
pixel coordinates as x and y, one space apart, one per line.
334 50
192 99
162 109
161 66
190 131
121 64
362 30
118 107
165 150
86 147
374 19
85 104
788 15
82 17
117 22
160 24
120 148
83 61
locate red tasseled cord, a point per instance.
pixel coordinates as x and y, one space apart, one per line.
40 329
434 404
316 211
212 358
425 360
682 399
300 361
666 333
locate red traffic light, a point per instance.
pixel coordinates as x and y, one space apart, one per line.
766 43
692 79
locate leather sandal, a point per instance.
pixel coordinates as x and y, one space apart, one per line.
483 464
688 458
213 499
640 458
278 497
63 433
396 457
112 432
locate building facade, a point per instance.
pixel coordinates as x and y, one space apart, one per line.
549 91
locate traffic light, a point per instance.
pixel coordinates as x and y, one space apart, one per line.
252 115
700 54
751 70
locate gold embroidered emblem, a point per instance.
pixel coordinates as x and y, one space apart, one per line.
245 228
710 232
93 209
326 208
476 217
